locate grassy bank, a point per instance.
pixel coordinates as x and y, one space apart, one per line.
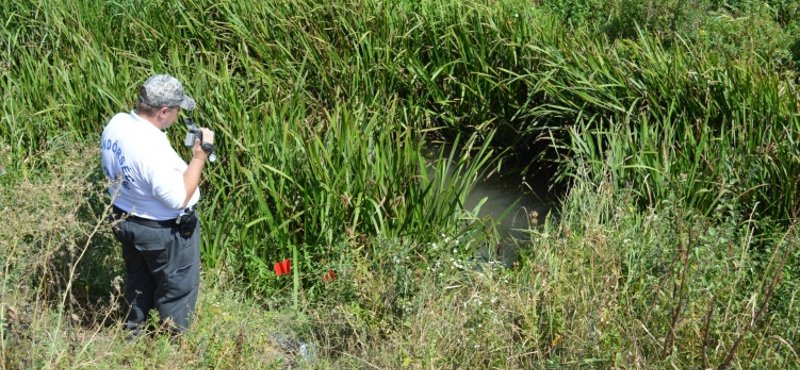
271 74
604 285
674 246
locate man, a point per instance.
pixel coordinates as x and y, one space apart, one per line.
151 187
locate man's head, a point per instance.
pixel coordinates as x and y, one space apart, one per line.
160 100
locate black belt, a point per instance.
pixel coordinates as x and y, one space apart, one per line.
119 213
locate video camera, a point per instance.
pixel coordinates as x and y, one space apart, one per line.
193 134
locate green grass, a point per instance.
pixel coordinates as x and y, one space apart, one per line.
604 285
500 69
676 138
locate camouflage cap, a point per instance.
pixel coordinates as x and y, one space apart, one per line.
165 91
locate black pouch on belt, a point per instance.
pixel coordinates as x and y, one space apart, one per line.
187 222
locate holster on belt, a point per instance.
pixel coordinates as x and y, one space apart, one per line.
187 222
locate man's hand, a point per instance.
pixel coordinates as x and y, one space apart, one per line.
208 137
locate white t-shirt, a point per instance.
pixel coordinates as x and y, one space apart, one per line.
146 172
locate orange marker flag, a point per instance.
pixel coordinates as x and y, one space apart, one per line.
329 276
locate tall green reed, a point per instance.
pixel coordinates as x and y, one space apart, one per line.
690 136
379 73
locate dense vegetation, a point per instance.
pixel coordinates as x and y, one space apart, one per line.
672 125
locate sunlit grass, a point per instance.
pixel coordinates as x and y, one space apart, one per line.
322 111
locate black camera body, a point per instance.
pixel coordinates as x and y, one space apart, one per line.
193 134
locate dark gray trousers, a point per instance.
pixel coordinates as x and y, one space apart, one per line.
163 271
